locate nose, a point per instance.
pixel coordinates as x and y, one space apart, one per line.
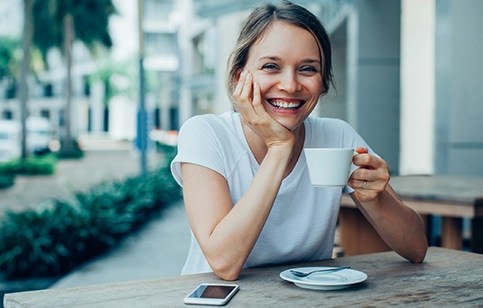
289 82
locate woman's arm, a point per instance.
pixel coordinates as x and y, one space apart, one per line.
397 224
227 233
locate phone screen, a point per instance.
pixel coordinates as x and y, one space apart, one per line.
212 294
212 291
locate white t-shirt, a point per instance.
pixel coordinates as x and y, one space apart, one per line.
302 222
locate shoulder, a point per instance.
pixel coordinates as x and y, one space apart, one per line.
207 123
199 120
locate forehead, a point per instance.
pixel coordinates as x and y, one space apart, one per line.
283 37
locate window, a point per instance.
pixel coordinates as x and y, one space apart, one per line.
157 9
45 113
159 44
8 114
204 47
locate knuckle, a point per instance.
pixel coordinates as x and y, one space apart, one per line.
362 172
386 177
257 122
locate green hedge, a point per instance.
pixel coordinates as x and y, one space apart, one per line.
32 165
6 180
62 234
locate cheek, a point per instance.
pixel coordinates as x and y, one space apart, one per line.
316 86
265 82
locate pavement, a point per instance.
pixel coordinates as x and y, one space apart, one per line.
157 250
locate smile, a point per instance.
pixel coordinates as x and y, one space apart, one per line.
283 104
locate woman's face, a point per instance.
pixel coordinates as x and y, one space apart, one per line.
286 63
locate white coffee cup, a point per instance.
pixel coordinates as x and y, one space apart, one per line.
329 166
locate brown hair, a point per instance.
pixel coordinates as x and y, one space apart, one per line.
260 19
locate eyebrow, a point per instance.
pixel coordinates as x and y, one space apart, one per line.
275 58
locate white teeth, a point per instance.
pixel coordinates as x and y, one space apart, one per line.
286 105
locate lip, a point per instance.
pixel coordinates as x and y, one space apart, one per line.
286 103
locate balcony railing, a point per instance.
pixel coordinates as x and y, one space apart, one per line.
327 10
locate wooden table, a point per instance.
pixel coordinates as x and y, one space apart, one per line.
451 197
446 278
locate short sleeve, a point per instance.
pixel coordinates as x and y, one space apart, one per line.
197 144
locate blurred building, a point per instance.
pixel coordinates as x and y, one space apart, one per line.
160 26
157 36
10 18
47 87
407 74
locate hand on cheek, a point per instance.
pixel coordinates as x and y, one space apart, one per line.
243 94
249 103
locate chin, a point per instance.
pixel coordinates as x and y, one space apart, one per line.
288 124
290 119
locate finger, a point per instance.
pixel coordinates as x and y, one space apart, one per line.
239 85
257 99
359 186
246 100
246 91
362 174
240 91
356 160
369 161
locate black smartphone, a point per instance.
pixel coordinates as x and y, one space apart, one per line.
217 294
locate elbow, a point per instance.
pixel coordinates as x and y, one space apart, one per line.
419 254
226 265
227 276
414 253
226 271
419 246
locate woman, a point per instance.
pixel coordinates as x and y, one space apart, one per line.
245 182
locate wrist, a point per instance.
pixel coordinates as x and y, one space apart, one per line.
280 148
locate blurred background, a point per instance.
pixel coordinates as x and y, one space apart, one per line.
407 71
81 76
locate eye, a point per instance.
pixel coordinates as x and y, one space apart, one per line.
270 67
309 69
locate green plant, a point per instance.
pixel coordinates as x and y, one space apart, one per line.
167 149
33 165
8 61
60 235
75 152
6 180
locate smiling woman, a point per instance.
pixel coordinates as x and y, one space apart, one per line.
245 181
289 78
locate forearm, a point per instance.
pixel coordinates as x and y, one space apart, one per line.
398 225
236 234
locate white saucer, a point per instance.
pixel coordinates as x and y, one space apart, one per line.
324 281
